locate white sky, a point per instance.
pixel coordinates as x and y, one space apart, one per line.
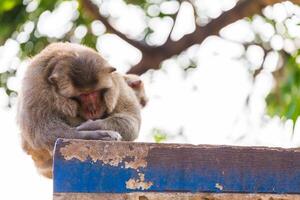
207 104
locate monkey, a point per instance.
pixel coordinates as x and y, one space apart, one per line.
135 82
68 82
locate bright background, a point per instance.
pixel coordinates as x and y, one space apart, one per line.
216 92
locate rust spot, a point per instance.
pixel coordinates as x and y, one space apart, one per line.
143 198
112 153
138 183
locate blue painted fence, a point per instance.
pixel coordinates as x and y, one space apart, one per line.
123 167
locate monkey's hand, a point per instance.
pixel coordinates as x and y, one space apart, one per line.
99 135
93 129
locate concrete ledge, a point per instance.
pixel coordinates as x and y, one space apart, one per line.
96 169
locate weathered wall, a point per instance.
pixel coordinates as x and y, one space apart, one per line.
126 170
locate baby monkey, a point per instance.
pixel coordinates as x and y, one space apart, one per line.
67 84
135 82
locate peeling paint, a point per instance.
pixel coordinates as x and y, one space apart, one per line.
219 186
172 167
112 154
138 183
136 164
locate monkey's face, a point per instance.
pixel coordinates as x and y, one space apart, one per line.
84 81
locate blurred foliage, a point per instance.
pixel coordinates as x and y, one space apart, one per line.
158 135
12 15
284 100
137 2
6 5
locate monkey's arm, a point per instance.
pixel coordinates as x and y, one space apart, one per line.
46 134
126 124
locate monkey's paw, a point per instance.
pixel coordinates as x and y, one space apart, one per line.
112 135
100 135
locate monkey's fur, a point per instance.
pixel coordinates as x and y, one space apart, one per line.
136 83
46 109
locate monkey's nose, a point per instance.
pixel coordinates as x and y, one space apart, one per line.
91 108
92 111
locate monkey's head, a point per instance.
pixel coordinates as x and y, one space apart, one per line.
84 77
136 83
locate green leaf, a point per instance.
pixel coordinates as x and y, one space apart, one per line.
7 5
158 135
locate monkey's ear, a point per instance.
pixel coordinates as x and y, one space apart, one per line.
53 78
135 83
52 67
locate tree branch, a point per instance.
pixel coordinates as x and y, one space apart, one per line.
93 11
244 8
153 56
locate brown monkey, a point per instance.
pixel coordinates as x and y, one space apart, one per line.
135 82
66 83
